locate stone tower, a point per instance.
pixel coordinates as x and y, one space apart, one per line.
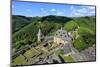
40 36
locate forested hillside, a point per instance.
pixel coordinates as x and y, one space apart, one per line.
19 22
86 30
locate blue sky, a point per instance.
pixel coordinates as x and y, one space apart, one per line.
32 9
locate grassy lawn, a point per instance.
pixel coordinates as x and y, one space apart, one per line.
70 25
85 30
60 52
19 60
68 58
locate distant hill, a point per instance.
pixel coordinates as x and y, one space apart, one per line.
19 21
57 19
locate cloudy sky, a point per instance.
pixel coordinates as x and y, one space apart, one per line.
42 9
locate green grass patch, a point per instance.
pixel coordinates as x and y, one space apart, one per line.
19 60
68 58
70 25
60 52
83 30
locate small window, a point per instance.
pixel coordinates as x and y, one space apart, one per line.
41 36
65 36
63 33
60 43
45 45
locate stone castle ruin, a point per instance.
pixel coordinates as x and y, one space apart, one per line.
45 52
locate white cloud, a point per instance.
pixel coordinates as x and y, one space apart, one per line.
28 9
75 12
72 8
91 8
53 10
78 14
92 12
44 12
59 13
42 9
82 10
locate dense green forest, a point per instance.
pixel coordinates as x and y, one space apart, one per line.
24 29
